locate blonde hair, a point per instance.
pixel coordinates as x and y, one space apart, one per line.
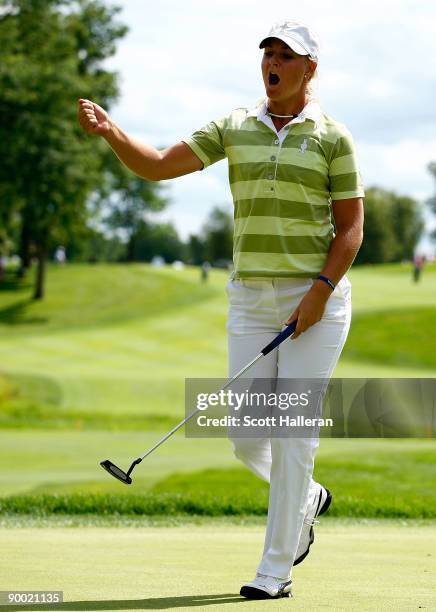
312 85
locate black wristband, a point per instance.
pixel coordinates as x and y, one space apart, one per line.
327 280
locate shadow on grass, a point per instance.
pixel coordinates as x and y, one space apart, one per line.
11 282
16 314
154 603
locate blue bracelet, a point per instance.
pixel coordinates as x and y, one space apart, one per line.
327 280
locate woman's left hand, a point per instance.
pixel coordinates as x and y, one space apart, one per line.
311 308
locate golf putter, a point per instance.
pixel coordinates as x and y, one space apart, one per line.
118 473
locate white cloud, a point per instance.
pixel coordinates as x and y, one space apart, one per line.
401 167
186 63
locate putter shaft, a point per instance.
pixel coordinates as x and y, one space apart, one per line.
186 419
285 333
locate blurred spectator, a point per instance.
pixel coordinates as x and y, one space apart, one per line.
60 256
418 264
204 271
3 262
158 261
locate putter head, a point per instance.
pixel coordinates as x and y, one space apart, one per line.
115 471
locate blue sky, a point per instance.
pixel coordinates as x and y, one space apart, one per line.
186 63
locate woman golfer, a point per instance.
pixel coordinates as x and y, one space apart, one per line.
298 212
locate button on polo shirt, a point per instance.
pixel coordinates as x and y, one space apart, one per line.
282 186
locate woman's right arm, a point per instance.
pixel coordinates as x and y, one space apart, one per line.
144 160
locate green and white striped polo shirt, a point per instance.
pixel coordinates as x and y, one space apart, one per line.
282 186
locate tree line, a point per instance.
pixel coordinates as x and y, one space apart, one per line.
147 239
393 226
60 186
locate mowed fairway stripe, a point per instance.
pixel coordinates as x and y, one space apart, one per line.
351 567
136 361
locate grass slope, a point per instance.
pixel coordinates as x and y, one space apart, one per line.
401 337
58 473
111 345
109 349
88 375
89 296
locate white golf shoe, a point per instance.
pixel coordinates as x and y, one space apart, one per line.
321 504
266 587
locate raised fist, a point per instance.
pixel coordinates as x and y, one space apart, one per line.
93 118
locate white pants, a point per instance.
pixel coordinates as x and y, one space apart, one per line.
257 310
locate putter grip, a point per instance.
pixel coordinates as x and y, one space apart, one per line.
289 329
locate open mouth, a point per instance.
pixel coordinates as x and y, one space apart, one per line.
273 78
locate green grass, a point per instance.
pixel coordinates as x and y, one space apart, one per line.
401 337
46 473
364 567
81 296
390 287
111 345
208 504
120 366
32 402
250 503
109 350
63 461
357 479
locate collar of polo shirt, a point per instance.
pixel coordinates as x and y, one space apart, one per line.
312 111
